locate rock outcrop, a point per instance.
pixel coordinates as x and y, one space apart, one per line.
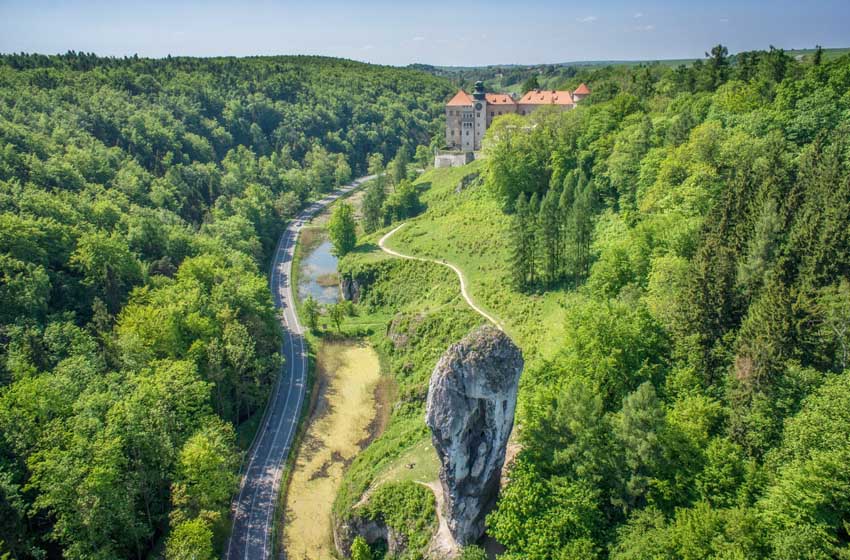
466 181
470 411
350 289
372 531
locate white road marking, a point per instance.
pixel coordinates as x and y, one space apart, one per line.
261 478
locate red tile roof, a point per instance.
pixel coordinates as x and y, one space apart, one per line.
461 98
582 90
499 99
546 97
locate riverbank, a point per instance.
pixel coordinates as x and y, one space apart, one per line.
349 405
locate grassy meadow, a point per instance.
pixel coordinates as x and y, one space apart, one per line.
469 229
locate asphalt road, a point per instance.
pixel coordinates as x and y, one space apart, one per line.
253 508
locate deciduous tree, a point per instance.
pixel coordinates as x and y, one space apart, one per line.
342 229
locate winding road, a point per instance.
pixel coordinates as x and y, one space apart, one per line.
252 535
463 290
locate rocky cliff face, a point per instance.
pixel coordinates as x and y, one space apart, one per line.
470 411
350 289
372 531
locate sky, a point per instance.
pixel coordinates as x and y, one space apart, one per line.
440 32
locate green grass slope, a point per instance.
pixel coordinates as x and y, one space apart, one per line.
412 311
467 227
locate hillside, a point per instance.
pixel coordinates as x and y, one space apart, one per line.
466 226
675 267
140 201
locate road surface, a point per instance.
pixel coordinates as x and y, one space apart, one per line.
253 509
463 290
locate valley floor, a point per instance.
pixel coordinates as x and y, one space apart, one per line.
347 374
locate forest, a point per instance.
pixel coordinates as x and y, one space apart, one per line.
689 221
517 78
698 406
140 200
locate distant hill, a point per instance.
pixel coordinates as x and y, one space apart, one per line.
509 77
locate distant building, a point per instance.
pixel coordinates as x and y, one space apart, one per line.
468 116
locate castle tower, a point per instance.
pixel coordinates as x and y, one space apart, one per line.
479 99
581 92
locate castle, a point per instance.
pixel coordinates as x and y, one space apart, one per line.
468 116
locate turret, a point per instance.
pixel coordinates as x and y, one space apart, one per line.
479 97
478 92
581 92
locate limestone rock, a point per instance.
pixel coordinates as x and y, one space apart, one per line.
466 182
470 411
372 531
350 289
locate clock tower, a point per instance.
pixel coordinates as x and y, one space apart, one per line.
479 100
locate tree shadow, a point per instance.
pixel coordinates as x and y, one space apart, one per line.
365 248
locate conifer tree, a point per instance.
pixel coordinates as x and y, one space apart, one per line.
717 66
373 204
550 236
565 206
376 168
532 233
580 233
520 245
639 430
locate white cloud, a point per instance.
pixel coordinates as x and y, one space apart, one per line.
588 19
419 38
638 15
367 47
649 27
724 20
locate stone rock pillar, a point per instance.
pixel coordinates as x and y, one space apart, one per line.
470 411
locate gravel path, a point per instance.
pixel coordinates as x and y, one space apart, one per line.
463 289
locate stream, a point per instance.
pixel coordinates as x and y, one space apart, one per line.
317 274
345 405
